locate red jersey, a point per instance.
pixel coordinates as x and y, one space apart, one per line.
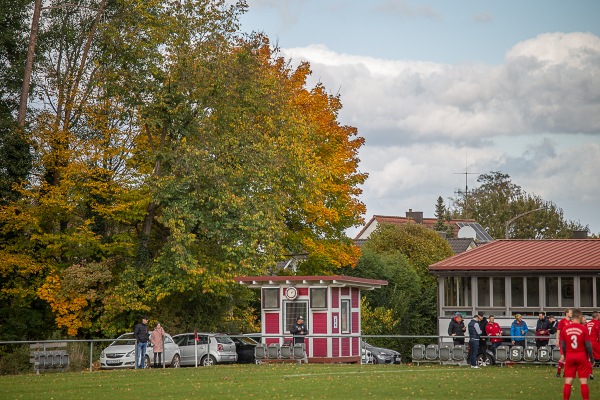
575 336
493 329
594 331
563 323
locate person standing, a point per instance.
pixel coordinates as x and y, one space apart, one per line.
141 335
518 330
552 330
594 331
562 324
482 341
493 329
474 337
542 328
299 330
457 329
157 339
577 349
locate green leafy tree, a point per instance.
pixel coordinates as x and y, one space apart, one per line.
443 218
401 255
498 201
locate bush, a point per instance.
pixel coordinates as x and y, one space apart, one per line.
14 359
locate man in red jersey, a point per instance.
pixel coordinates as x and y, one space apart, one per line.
577 349
594 331
563 323
493 329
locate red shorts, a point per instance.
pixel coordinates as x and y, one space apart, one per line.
577 364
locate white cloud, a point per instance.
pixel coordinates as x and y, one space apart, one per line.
547 84
534 117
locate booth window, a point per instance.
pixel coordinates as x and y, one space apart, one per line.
483 292
517 291
552 291
457 291
586 291
498 293
318 297
292 310
345 316
533 292
270 298
567 292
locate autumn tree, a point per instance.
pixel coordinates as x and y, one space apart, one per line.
498 200
172 155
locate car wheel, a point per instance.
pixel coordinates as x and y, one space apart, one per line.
375 360
207 361
176 362
488 360
146 362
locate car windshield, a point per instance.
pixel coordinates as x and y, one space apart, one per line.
124 340
246 340
223 339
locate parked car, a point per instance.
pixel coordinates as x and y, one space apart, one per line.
506 341
121 353
245 347
367 357
212 348
381 355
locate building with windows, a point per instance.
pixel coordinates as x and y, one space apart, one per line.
506 277
330 306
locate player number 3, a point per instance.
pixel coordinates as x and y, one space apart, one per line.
574 342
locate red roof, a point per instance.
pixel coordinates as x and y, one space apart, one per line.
536 255
428 222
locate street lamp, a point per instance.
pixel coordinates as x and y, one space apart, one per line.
510 221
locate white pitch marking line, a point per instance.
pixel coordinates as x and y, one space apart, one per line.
366 372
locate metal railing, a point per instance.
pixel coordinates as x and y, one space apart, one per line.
90 349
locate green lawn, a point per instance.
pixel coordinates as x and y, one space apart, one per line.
297 381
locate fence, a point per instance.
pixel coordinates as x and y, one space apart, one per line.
84 354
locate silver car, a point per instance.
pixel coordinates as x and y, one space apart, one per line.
210 349
121 353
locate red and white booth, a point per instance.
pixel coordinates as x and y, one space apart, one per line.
330 306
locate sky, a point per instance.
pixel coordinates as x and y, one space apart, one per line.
438 88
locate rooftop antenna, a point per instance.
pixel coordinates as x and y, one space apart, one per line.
465 194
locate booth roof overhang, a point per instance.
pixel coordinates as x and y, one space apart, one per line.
257 282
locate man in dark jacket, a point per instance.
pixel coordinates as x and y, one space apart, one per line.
141 335
542 328
474 337
483 341
299 330
457 329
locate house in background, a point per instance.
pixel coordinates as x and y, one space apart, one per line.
462 229
460 245
506 277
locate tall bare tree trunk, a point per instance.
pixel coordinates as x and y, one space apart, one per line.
29 62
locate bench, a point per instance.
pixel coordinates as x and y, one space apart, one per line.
50 356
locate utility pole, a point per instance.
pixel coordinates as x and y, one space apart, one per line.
466 192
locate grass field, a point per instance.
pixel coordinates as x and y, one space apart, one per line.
280 381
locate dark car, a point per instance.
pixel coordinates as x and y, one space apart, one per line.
244 347
381 355
506 341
